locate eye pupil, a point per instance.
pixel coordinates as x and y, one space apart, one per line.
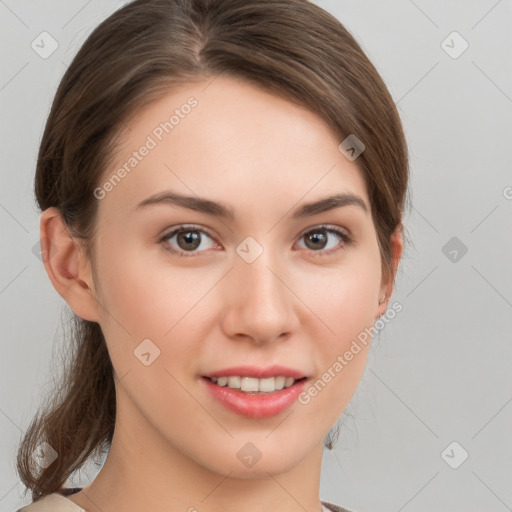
189 237
316 236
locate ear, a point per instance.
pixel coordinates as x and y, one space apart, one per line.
388 280
66 266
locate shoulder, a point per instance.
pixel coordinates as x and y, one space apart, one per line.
51 503
58 503
335 508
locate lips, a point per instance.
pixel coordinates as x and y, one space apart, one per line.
255 392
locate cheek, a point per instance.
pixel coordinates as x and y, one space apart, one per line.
344 298
144 297
138 291
344 302
127 298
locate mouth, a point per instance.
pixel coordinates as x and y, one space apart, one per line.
252 397
255 392
253 385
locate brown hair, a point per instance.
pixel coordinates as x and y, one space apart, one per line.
291 48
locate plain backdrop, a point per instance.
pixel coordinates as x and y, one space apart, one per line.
429 426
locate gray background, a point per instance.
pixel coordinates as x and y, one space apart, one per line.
440 371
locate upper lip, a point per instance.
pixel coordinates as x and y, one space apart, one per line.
257 372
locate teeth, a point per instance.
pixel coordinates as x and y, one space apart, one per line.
249 384
265 385
233 382
288 382
253 385
279 382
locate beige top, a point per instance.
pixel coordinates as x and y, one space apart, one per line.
57 502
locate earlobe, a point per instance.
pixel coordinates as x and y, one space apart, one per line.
66 266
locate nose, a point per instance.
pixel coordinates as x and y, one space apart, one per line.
259 304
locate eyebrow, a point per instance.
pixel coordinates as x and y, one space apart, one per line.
220 210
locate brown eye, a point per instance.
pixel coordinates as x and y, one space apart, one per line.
187 240
325 240
316 239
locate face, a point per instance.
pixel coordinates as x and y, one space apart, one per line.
187 292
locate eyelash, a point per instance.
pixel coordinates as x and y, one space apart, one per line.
346 240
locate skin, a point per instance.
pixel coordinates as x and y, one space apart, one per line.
174 447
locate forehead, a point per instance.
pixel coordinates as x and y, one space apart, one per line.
226 137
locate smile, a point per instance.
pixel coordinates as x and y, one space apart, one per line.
254 385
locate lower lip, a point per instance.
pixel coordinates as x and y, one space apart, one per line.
264 405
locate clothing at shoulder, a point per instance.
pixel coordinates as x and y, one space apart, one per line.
335 508
57 502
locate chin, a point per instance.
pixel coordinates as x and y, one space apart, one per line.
260 470
256 459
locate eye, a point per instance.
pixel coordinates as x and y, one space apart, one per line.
317 239
189 240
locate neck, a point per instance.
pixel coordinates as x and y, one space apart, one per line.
146 472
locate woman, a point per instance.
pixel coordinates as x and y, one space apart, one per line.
222 186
